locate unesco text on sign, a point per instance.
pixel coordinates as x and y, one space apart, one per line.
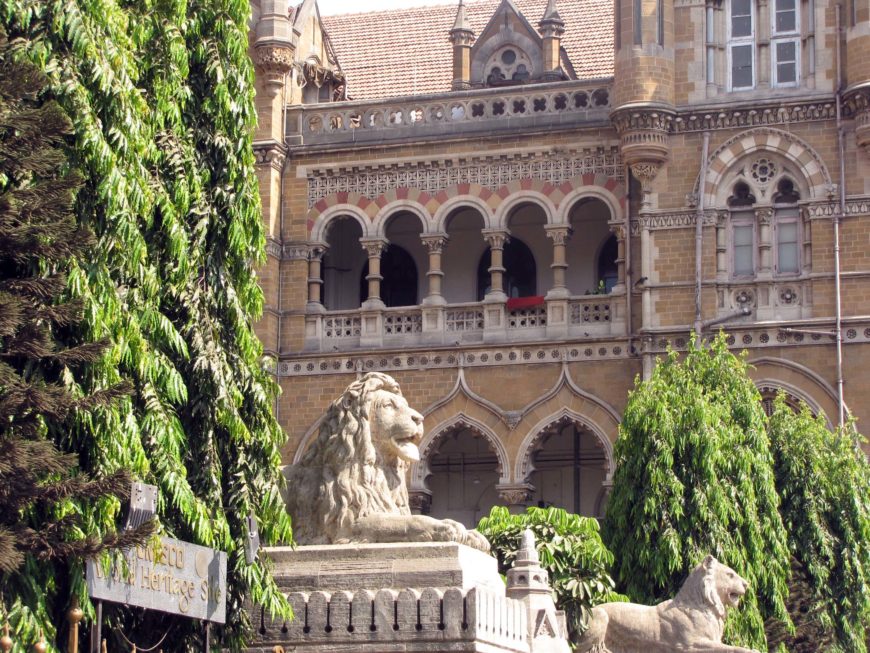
177 577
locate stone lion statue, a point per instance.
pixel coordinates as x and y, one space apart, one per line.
692 621
350 485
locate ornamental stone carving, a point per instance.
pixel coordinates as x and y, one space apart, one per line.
350 485
857 105
693 620
274 59
643 135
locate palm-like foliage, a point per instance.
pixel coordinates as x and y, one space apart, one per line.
161 96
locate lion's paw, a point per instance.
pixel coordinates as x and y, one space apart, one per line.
476 540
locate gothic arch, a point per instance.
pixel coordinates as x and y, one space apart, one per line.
766 139
420 470
537 198
563 214
379 224
480 55
442 213
774 385
321 224
534 438
799 381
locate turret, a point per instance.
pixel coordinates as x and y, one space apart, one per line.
551 29
643 90
462 37
274 52
857 73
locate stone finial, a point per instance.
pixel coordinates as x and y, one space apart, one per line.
461 23
528 553
551 16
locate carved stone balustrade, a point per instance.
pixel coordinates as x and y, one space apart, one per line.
582 102
584 316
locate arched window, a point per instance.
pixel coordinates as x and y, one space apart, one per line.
520 277
608 274
742 230
786 228
399 284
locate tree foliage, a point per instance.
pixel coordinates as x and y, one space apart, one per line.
570 549
40 526
694 476
161 97
823 480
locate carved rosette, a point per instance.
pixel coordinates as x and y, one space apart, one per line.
643 139
857 105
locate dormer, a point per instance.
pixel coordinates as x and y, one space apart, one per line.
511 51
317 75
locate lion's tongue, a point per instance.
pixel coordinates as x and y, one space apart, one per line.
409 450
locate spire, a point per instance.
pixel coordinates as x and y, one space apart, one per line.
461 23
551 17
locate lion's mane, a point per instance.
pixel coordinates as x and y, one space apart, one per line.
342 476
700 589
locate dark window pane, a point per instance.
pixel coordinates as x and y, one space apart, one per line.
741 66
785 21
741 26
786 73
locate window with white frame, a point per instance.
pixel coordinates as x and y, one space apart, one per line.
741 44
742 231
786 228
785 43
743 38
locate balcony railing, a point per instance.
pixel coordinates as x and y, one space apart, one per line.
575 317
447 114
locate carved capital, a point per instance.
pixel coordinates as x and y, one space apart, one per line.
857 105
435 243
514 495
496 239
462 37
558 233
645 173
316 251
270 154
764 215
374 247
272 59
420 502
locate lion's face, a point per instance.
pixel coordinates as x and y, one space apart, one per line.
729 586
396 428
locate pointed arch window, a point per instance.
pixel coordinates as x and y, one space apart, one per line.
741 204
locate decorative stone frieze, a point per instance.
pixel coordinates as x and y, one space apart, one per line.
488 171
643 134
670 220
516 495
756 116
826 210
436 358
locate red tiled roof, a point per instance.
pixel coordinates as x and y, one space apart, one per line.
407 51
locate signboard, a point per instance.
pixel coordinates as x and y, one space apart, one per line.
176 577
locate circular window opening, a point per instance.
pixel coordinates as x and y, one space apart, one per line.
508 57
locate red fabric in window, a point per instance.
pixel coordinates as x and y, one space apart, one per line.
519 303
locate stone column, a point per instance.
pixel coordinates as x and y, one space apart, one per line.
722 246
516 497
764 217
374 247
435 245
315 277
559 234
496 239
619 231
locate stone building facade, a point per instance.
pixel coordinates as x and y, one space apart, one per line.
514 207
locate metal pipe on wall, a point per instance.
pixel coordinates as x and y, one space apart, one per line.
841 147
699 237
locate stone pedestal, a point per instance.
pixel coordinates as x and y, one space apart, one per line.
332 567
408 598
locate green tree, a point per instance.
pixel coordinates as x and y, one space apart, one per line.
40 526
823 480
570 549
161 98
694 476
